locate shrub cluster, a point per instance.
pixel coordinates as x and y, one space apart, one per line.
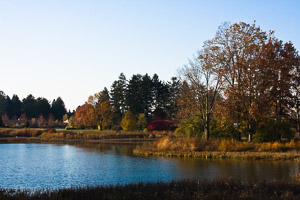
162 125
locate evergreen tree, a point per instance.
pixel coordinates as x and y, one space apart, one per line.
9 107
16 106
174 92
118 93
146 95
2 103
160 93
1 122
134 99
58 108
43 107
29 106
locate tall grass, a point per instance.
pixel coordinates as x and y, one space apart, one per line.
78 134
184 189
188 145
20 132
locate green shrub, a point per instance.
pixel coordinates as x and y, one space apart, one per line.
70 128
26 124
192 127
274 130
117 128
142 121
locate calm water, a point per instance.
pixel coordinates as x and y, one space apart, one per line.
55 166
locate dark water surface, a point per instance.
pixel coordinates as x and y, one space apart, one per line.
53 166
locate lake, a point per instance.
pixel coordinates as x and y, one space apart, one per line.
36 166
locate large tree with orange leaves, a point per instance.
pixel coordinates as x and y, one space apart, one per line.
85 115
257 72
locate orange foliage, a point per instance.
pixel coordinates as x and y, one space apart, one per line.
86 116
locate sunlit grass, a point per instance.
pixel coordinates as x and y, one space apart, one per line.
84 134
184 147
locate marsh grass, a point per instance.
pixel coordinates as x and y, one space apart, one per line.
78 134
184 147
184 189
20 132
187 144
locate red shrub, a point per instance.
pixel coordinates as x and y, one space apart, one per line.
162 125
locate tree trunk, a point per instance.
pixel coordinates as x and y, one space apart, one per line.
250 131
206 127
298 123
250 137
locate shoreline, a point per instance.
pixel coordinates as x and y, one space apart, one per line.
245 155
180 189
8 140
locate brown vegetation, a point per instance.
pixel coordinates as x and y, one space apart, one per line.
20 132
184 189
184 147
77 134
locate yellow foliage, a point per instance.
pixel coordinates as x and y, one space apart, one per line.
129 121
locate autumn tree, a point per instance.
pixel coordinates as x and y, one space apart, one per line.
85 116
129 121
204 84
103 109
65 117
256 72
71 122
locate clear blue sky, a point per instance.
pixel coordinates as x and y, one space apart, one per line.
74 49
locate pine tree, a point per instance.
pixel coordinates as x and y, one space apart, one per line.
118 99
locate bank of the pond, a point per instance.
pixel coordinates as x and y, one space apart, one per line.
184 189
220 149
224 155
62 140
60 135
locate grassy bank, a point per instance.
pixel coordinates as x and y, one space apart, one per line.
220 149
185 189
7 134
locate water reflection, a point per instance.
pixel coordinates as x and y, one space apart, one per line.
65 165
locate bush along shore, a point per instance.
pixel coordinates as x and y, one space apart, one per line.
220 149
184 189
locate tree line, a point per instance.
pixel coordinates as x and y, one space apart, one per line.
31 107
243 82
144 98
